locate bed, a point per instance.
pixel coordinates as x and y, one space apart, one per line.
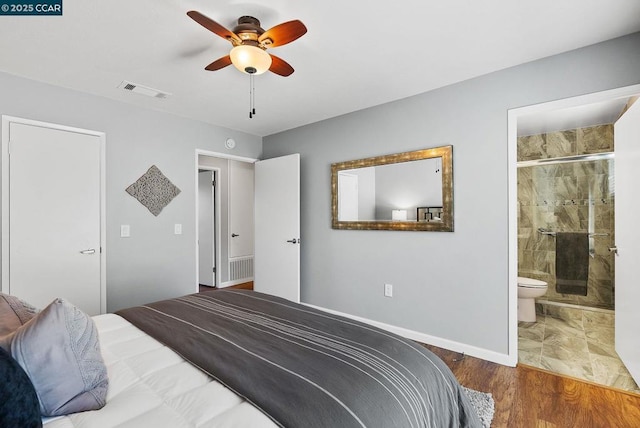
152 386
239 358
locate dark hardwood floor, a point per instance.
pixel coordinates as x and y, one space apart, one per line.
529 397
243 286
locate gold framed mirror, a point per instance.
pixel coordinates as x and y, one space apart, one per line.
403 191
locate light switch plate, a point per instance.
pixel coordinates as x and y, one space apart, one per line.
388 290
177 229
125 231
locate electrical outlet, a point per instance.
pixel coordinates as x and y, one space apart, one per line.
125 231
388 290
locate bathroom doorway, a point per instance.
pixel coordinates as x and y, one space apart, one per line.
564 182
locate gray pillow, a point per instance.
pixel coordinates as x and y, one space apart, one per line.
60 352
14 313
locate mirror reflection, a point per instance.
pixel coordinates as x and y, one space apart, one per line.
404 191
389 192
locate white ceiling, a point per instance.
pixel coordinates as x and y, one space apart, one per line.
356 54
601 113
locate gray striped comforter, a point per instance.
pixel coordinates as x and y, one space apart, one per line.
307 368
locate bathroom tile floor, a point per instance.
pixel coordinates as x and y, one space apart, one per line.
574 342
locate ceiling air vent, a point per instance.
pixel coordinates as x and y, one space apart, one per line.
143 90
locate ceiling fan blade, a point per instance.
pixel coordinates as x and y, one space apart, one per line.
283 33
213 26
219 63
280 66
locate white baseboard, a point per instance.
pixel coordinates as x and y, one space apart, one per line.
495 357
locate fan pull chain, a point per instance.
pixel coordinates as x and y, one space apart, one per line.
252 97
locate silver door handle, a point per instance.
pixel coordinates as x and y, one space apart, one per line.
89 251
233 235
613 250
293 241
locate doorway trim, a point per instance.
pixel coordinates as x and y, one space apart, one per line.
512 150
6 120
216 222
217 243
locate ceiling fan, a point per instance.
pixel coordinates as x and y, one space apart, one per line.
250 42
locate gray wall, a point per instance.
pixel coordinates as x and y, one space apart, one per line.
153 263
449 285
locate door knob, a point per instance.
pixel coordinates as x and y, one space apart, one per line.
293 241
89 251
233 235
613 250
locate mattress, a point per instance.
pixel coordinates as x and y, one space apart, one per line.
152 386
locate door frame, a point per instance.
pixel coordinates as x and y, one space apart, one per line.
512 187
217 239
216 223
6 120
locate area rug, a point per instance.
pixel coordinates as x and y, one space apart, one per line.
483 403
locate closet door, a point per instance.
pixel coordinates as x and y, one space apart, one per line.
54 226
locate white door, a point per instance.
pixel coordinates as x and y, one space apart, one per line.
241 199
54 215
277 227
627 205
347 197
205 229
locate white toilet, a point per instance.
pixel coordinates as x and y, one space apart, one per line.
528 290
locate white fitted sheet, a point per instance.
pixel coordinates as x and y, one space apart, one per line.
152 386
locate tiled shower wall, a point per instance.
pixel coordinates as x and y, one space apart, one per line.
567 197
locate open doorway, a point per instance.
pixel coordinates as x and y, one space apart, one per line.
563 169
225 223
259 222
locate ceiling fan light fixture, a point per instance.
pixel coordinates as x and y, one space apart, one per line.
250 59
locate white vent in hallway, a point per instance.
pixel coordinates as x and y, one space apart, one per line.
143 90
241 268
